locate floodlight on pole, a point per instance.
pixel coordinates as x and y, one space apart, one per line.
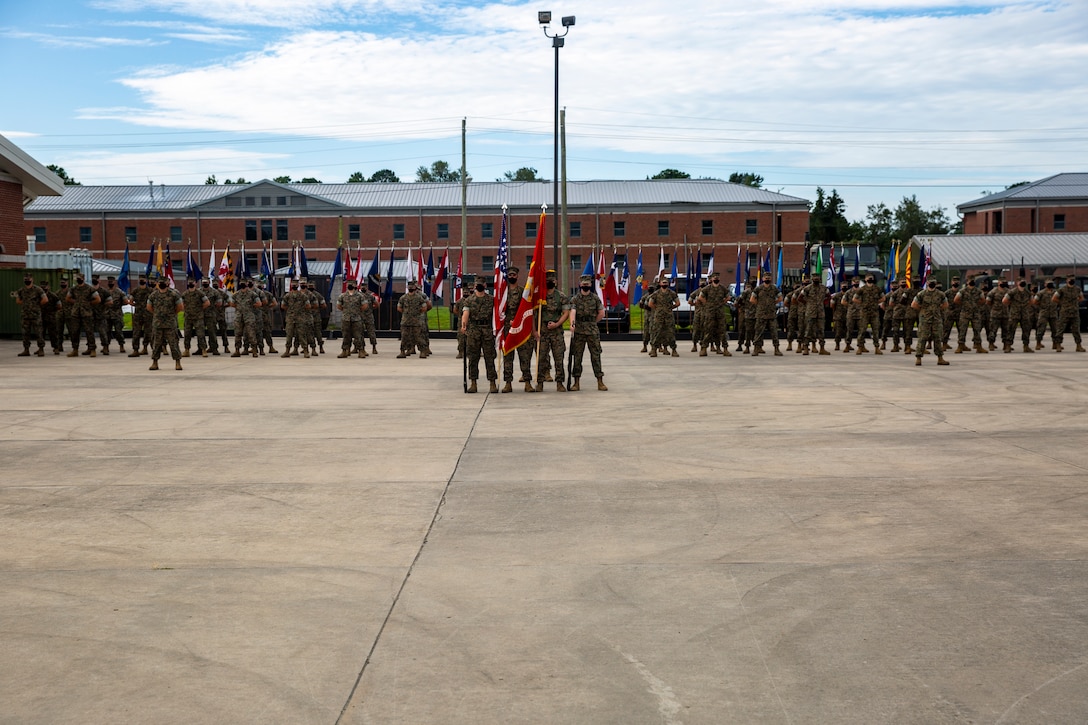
545 19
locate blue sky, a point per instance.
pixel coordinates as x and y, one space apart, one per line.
874 98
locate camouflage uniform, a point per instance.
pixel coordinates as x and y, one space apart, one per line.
999 317
853 315
317 304
412 307
866 299
458 309
524 351
662 303
887 324
83 298
31 297
839 308
647 320
64 313
296 319
368 326
245 303
194 299
794 316
224 299
552 342
479 336
52 323
1046 315
141 318
970 301
352 305
98 314
765 299
1068 298
210 315
698 316
163 305
1018 300
813 297
713 299
903 301
114 313
952 314
930 302
585 308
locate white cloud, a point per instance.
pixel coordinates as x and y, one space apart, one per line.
278 13
79 41
185 166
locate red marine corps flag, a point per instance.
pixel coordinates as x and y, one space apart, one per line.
521 327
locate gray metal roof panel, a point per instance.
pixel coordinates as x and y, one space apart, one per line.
1003 250
520 195
1059 186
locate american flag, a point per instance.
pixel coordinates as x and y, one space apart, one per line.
501 260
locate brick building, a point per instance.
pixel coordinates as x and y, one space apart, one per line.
1055 204
22 180
615 216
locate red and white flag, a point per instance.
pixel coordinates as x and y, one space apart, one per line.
521 327
421 268
458 282
498 317
600 281
349 272
440 274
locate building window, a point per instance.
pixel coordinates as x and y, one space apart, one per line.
487 230
309 233
443 231
1059 222
298 201
663 228
753 262
576 261
281 201
283 259
619 229
266 201
751 226
530 230
266 230
251 230
997 222
575 230
281 230
487 263
232 201
398 231
130 235
708 227
175 234
251 201
251 263
39 235
354 232
528 262
84 235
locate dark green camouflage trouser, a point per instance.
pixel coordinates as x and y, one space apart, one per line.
163 337
525 361
411 338
930 330
33 331
578 343
480 342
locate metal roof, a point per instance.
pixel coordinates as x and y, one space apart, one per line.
1059 186
1005 250
38 181
379 196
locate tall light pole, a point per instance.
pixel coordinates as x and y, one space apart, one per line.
545 19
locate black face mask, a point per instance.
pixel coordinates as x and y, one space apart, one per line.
971 284
714 282
1002 285
162 285
550 284
111 285
479 288
1050 285
955 284
79 281
1023 284
190 285
512 278
855 284
585 288
28 282
65 286
142 283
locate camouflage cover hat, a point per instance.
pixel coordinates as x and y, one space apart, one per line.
715 275
512 270
587 278
550 273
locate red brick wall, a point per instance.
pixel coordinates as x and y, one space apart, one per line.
1026 220
640 228
13 229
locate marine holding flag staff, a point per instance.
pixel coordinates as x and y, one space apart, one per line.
479 338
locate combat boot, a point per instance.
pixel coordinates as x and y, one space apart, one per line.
800 348
154 365
643 348
122 346
777 352
1027 348
92 353
236 353
459 356
105 350
907 349
601 385
575 386
494 387
529 387
1006 347
1038 344
401 355
653 353
374 350
960 348
992 347
862 348
143 349
559 387
40 352
836 344
185 352
203 353
472 386
823 350
540 386
257 354
725 352
804 349
286 353
272 350
675 353
424 355
343 353
694 346
74 352
941 360
306 353
548 378
848 348
789 345
1080 348
25 352
895 347
363 353
177 364
508 388
702 352
878 351
918 360
979 348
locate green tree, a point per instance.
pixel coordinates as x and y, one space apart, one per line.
59 171
211 181
356 178
878 226
282 179
239 180
911 219
309 180
671 174
525 173
439 171
827 220
384 176
747 178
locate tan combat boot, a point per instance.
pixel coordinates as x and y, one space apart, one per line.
508 387
725 352
343 353
575 386
540 386
494 388
559 388
529 387
154 365
362 353
960 348
777 352
702 352
601 385
918 360
185 353
177 364
941 360
653 353
823 350
1080 348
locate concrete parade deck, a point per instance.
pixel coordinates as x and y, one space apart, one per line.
844 539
